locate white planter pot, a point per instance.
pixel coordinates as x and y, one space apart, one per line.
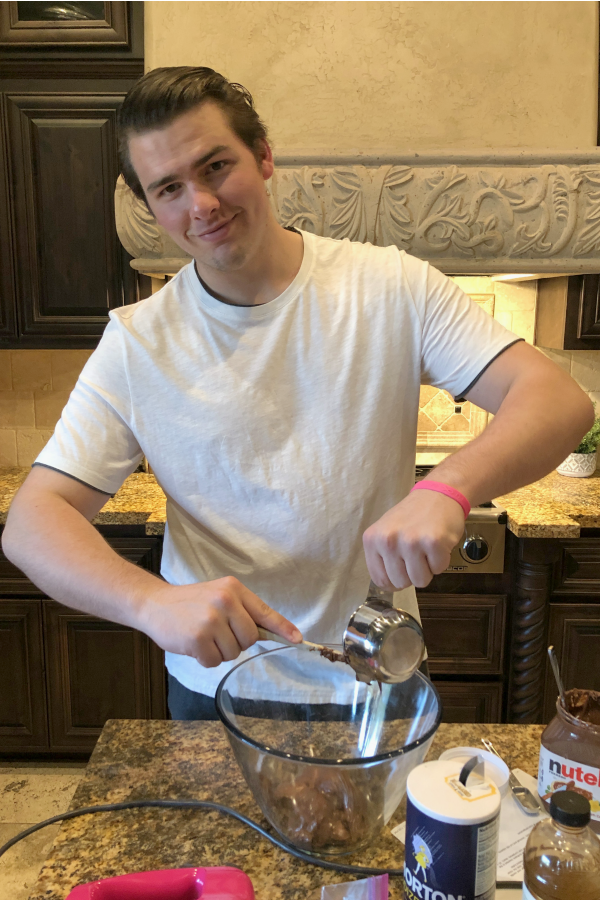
578 465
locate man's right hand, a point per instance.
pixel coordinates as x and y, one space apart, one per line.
212 621
49 536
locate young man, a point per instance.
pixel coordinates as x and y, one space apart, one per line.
273 386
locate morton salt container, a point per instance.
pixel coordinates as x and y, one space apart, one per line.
452 819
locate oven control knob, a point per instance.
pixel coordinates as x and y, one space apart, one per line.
475 549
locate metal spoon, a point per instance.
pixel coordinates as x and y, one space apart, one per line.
526 800
556 670
329 652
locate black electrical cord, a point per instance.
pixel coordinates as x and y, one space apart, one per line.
201 804
206 804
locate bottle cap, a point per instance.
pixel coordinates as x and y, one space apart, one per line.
570 808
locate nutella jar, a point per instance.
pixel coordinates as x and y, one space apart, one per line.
570 751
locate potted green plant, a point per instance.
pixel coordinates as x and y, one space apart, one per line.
581 463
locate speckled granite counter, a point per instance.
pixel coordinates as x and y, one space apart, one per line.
192 760
554 507
557 506
140 501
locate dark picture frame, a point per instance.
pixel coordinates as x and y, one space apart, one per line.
112 32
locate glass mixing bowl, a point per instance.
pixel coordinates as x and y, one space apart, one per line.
326 756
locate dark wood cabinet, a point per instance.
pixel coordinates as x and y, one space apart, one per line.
555 600
71 268
23 712
568 312
470 701
574 630
62 266
96 670
464 618
464 634
64 673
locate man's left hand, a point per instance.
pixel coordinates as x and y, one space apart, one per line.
413 541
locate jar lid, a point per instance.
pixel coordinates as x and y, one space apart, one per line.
435 789
570 808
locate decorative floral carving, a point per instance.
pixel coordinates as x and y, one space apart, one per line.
540 214
455 212
394 223
301 206
588 240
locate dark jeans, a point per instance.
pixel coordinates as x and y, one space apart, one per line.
188 705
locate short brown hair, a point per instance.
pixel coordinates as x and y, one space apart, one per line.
162 95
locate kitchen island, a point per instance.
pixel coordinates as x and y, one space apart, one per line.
192 760
487 634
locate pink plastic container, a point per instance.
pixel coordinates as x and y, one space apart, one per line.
213 883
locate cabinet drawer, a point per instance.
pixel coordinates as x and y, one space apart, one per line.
579 568
470 702
464 634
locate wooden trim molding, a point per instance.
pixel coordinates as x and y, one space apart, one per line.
112 31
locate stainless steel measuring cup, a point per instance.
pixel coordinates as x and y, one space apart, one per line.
382 642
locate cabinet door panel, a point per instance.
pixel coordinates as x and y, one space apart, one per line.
574 631
582 325
70 264
464 634
466 702
579 569
97 670
23 718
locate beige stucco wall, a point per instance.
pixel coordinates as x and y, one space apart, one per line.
398 76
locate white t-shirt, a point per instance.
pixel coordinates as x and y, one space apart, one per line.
278 432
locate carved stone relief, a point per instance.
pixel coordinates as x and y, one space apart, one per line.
464 213
462 218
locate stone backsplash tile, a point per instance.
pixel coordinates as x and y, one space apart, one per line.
5 371
31 370
48 407
66 366
16 409
8 447
30 443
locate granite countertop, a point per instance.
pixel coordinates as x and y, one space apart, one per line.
140 501
554 507
136 759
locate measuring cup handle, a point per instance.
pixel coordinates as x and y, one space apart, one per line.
377 593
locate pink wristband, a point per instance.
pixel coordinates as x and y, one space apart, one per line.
444 489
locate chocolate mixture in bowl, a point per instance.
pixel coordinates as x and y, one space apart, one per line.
320 809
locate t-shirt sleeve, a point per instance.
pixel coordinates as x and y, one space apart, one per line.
459 339
93 440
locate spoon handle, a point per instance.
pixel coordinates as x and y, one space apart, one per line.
556 670
265 635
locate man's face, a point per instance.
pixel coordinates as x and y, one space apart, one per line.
205 187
